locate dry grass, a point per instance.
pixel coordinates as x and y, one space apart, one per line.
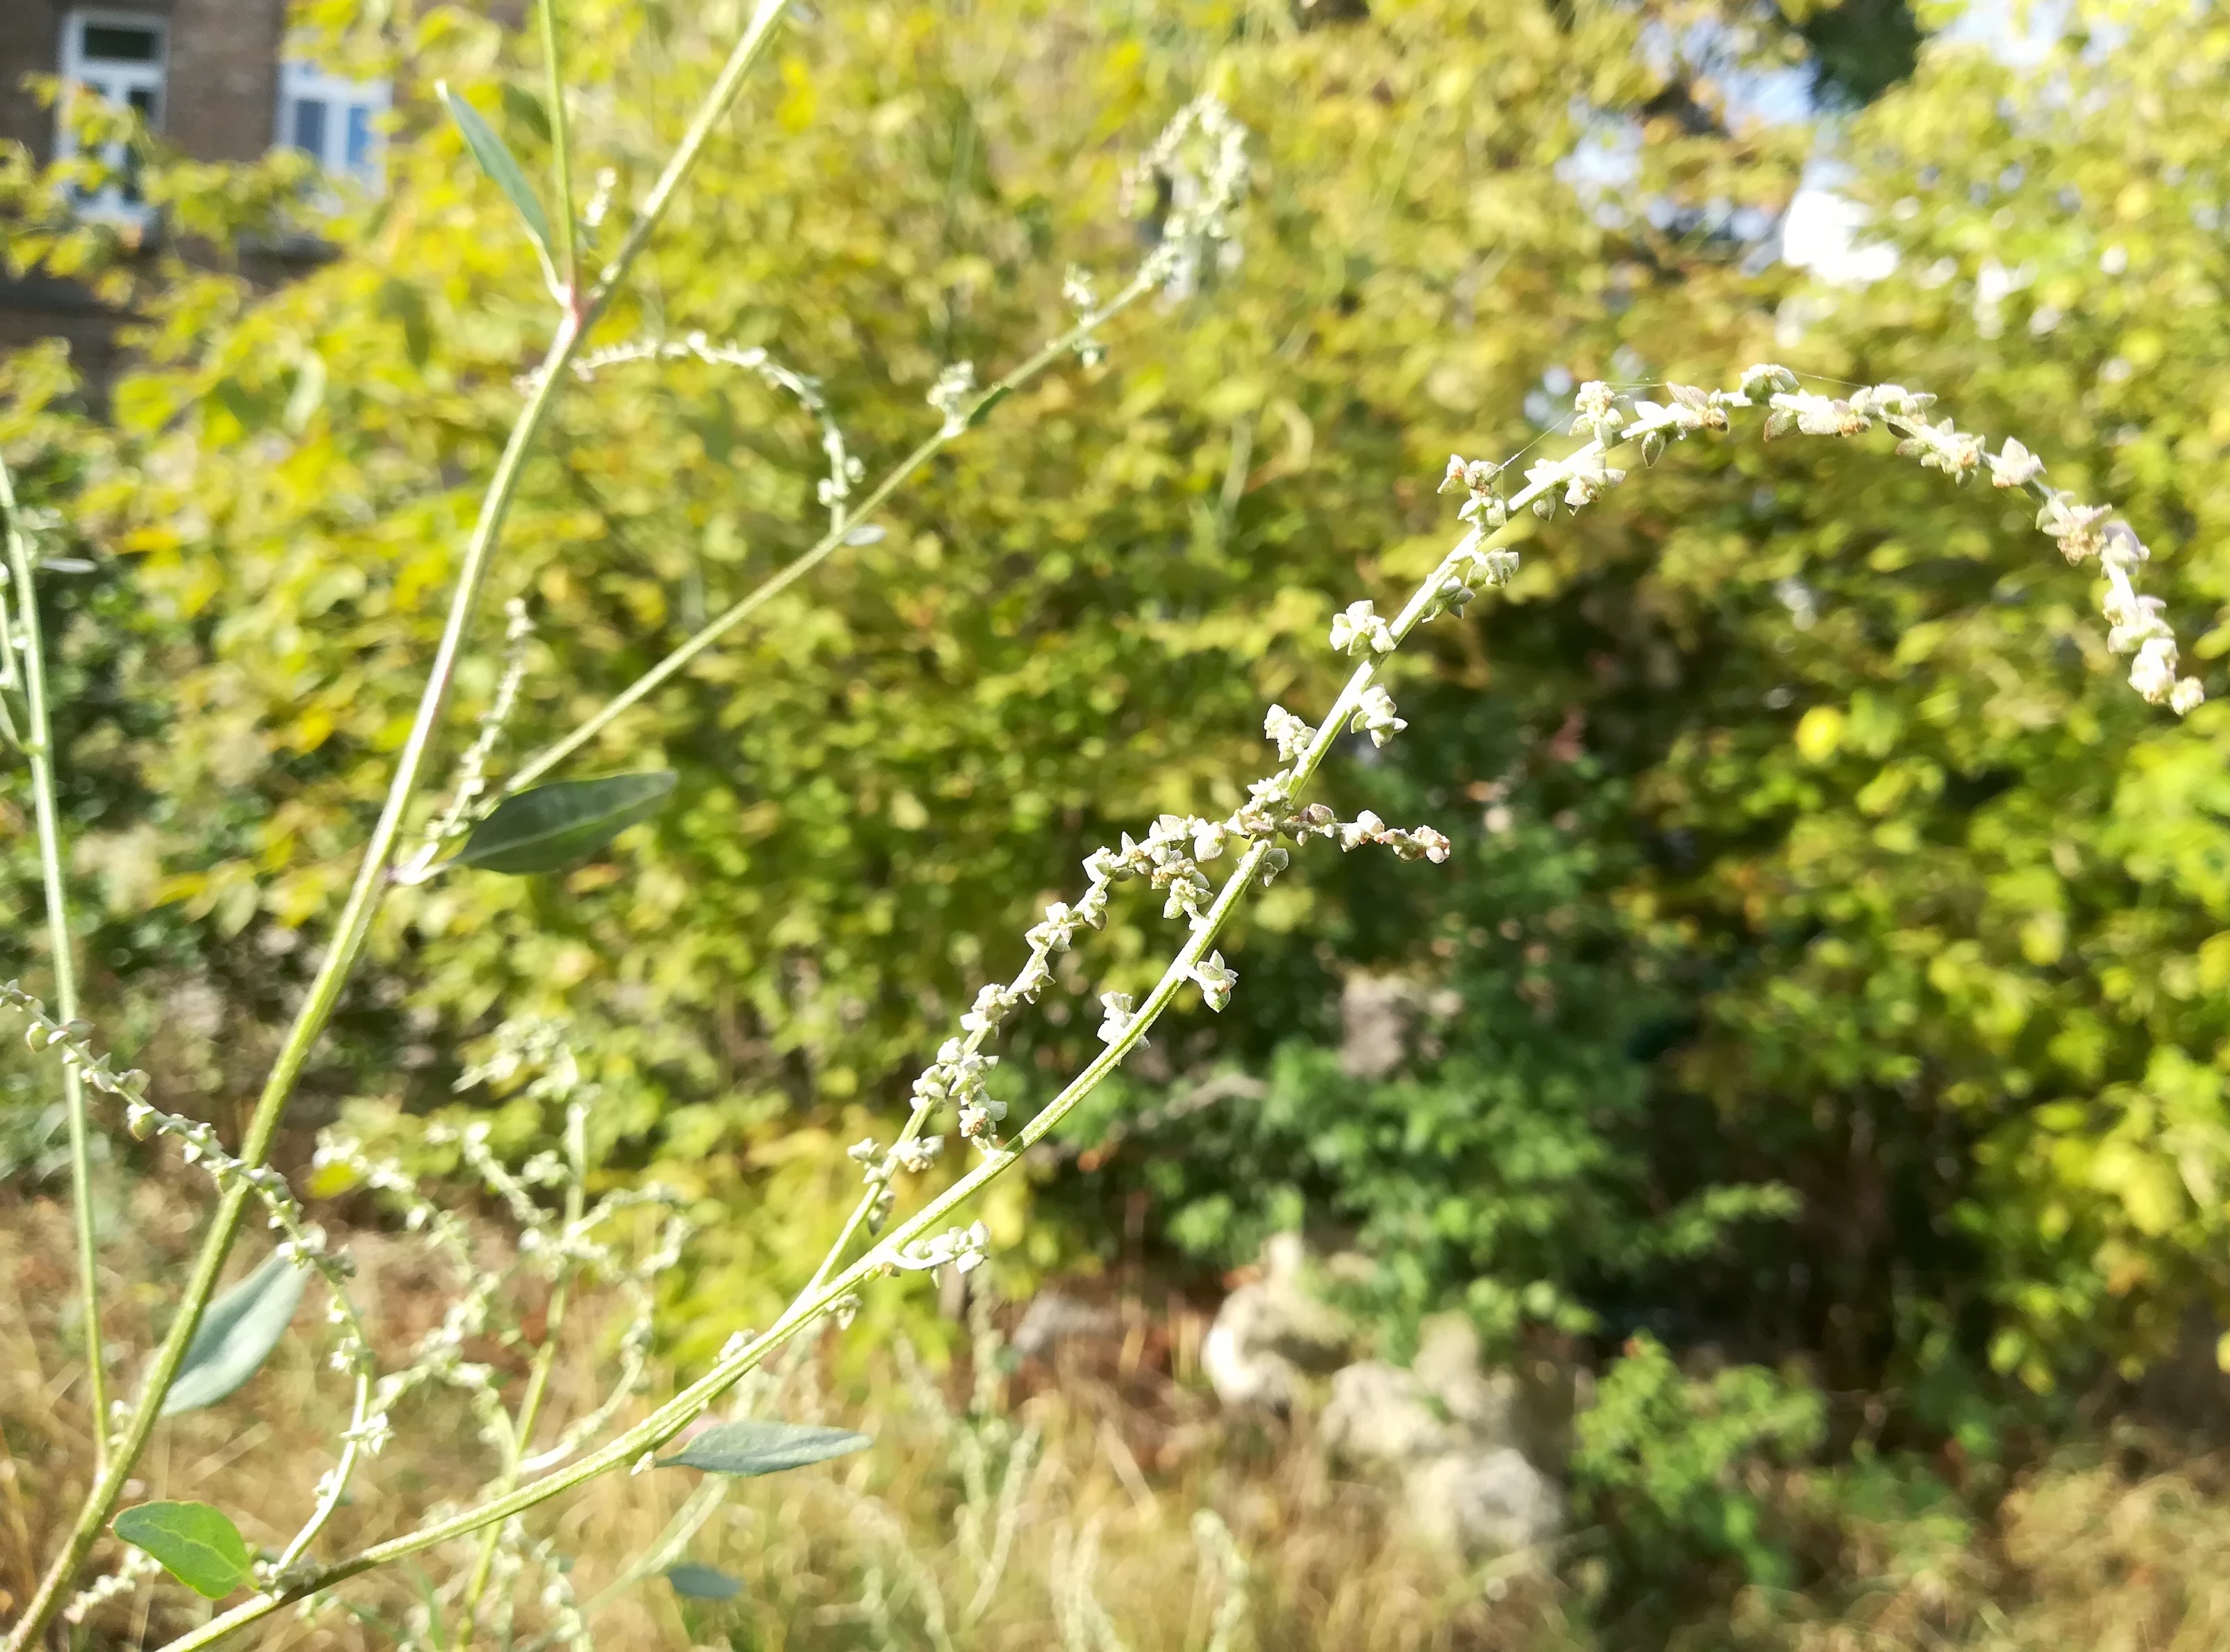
888 1549
872 1551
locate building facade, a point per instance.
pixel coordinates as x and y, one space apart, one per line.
210 76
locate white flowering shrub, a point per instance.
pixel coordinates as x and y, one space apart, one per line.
1200 869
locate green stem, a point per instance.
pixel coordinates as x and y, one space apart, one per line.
677 1413
550 757
538 1381
371 877
37 743
561 157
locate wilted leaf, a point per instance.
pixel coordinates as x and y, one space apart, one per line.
694 1582
555 825
236 1334
196 1544
501 167
760 1446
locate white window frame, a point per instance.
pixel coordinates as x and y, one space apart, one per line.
115 82
300 81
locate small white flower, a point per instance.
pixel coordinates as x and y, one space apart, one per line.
1359 629
952 394
1287 732
2152 672
1215 979
1118 1007
2015 465
1374 716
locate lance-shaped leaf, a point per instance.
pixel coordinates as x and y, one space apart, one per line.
694 1582
237 1332
551 826
760 1446
500 164
194 1543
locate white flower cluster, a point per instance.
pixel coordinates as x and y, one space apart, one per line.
844 473
1078 291
966 1249
557 1246
953 395
133 1567
472 782
74 1040
1357 631
1195 174
2083 531
1172 855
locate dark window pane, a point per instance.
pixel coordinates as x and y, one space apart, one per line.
115 43
359 138
142 98
310 126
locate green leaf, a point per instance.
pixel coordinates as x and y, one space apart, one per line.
982 411
762 1447
498 162
523 106
694 1582
236 1334
196 1544
555 825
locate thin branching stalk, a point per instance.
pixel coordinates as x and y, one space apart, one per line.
36 740
355 923
838 534
537 1382
2084 534
561 154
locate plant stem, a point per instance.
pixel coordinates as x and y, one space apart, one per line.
355 924
561 158
37 741
550 757
318 1006
677 1413
538 1381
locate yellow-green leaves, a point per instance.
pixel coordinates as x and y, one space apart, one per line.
553 826
1818 733
194 1543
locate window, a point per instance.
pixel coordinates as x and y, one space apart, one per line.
332 121
119 57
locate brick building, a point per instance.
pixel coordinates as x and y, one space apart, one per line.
211 76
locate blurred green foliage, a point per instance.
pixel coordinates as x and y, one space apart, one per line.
1833 958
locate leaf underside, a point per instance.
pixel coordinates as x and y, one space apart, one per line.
761 1446
237 1332
694 1582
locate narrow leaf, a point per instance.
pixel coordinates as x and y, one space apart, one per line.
762 1447
236 1335
523 106
194 1543
554 825
982 411
501 167
694 1582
